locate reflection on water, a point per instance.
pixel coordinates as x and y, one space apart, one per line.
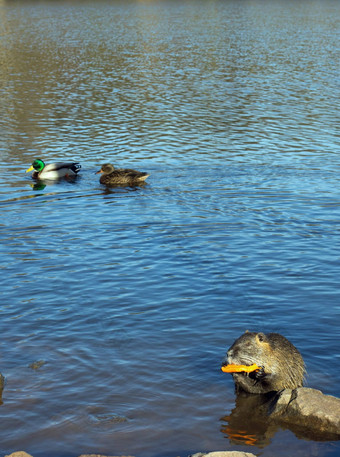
253 429
38 186
131 295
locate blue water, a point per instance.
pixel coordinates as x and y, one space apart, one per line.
118 305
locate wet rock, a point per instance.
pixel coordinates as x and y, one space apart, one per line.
99 455
224 454
309 410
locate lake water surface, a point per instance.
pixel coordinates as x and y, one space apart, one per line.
118 305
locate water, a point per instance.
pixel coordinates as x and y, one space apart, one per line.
118 304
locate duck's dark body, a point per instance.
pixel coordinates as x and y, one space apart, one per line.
126 176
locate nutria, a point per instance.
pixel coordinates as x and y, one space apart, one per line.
282 366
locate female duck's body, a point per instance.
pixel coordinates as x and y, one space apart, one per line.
53 170
112 177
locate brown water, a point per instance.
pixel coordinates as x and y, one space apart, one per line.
118 304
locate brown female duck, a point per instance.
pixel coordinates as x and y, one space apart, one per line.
111 176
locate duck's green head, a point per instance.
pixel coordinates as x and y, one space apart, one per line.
37 165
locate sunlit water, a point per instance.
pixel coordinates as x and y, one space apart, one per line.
118 304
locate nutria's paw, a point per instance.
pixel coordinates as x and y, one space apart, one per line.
258 375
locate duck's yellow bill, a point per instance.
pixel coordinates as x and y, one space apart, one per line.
240 368
30 169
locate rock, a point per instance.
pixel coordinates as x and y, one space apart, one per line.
2 385
308 409
19 454
99 455
37 364
224 454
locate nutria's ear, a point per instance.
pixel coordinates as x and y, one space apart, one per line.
247 331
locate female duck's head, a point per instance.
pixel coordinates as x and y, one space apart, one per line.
38 165
106 169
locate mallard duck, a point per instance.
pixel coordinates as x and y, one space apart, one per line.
112 177
53 170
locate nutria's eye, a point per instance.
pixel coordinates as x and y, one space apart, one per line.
261 337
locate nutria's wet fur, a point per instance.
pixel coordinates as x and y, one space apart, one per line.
282 364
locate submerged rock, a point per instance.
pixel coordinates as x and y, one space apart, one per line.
37 364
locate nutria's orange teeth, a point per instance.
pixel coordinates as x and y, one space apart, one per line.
240 368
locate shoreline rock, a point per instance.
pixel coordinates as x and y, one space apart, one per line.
310 410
